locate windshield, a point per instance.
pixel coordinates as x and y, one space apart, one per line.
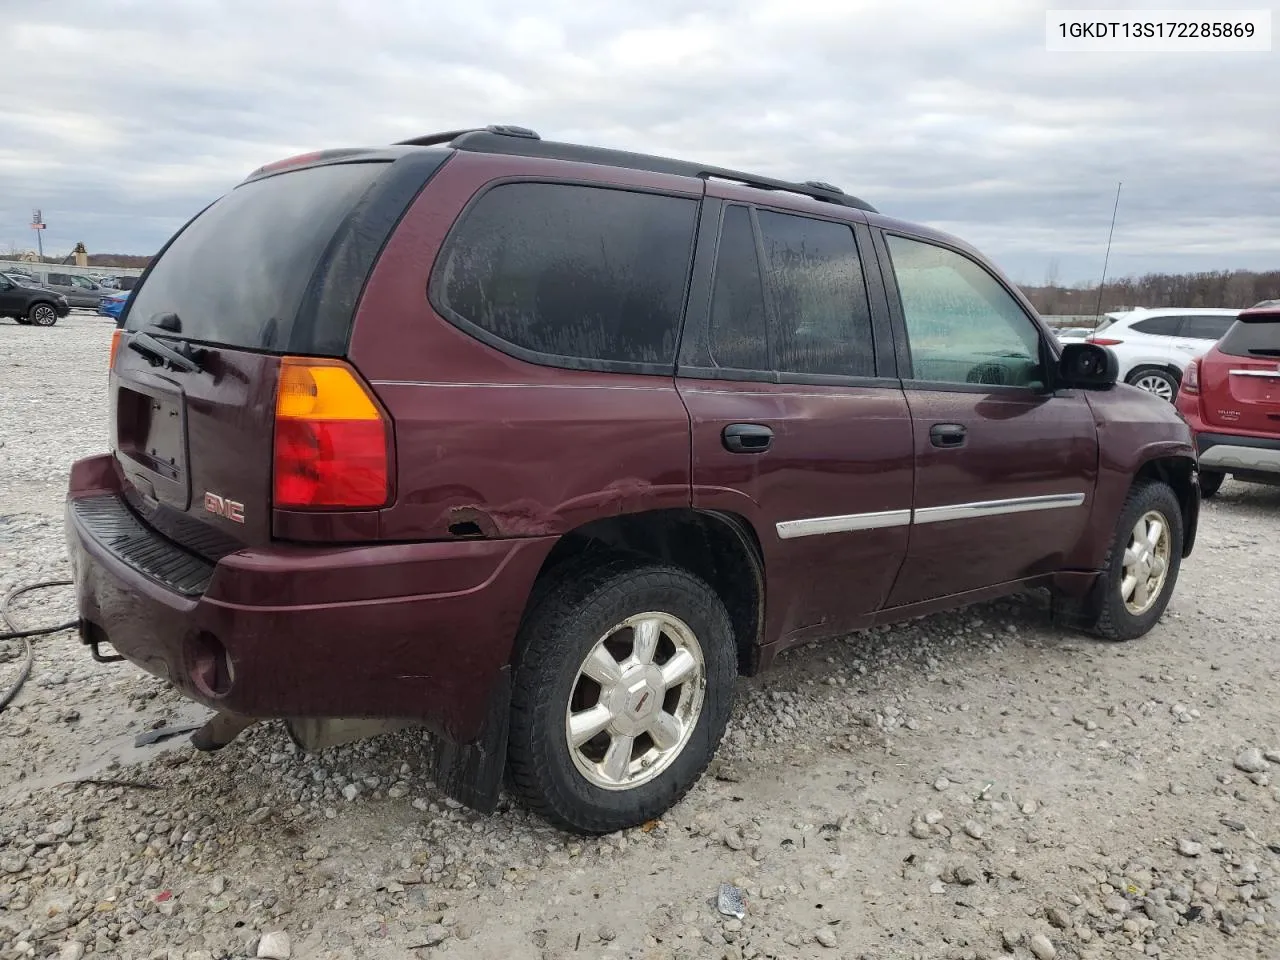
238 274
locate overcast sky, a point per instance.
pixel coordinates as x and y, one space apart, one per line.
120 119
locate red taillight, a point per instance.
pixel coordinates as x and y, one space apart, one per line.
115 347
331 438
1103 341
1191 378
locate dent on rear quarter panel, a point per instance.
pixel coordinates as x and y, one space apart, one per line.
489 444
1134 428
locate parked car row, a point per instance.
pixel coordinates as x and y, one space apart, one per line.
1155 346
79 291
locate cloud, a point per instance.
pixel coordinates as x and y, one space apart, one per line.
125 117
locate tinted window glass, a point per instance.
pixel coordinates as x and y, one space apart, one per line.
59 279
1169 326
824 321
1257 338
1207 327
572 271
238 273
738 339
962 325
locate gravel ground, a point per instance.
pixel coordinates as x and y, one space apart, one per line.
976 784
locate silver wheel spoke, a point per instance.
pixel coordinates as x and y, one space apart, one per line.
589 723
1157 566
618 758
1154 532
679 668
602 668
1141 593
647 633
1131 556
1128 585
666 731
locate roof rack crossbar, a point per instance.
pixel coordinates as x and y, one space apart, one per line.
521 141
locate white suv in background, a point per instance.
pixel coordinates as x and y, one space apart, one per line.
1154 346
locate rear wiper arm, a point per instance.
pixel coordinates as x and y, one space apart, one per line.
160 352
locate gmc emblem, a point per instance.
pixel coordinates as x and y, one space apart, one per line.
220 507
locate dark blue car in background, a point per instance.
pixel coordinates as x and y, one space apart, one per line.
112 305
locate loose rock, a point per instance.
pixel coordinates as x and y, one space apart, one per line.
1042 947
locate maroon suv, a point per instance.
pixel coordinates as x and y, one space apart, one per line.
540 446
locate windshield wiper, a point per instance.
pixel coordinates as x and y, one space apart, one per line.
158 352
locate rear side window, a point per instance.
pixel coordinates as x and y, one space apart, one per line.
824 320
237 274
1170 326
572 272
1253 338
59 279
737 338
1206 327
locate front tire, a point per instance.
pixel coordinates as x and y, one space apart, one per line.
621 693
42 315
1142 566
1155 380
1211 482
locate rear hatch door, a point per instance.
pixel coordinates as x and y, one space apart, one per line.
273 268
1240 380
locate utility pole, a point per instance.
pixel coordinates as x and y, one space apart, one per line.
37 224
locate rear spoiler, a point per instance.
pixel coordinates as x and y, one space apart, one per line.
1268 314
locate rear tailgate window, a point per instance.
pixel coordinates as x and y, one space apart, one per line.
240 274
1253 336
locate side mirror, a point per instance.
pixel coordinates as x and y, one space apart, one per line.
1088 366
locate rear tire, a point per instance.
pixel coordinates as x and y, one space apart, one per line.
634 624
1141 568
1210 482
1156 380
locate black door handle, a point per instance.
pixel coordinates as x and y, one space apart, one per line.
947 435
746 437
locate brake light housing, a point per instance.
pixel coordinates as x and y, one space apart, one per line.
1104 341
115 348
332 448
1191 379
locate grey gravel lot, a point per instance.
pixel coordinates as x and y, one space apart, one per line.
976 784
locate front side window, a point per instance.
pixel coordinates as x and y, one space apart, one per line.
571 271
823 318
962 325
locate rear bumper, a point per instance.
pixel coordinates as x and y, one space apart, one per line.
418 631
1238 453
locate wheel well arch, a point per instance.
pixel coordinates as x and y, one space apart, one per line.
1180 474
720 548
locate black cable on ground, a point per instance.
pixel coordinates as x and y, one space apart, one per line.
14 633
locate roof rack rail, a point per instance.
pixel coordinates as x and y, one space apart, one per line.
521 141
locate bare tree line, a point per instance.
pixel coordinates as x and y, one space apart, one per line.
1217 288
